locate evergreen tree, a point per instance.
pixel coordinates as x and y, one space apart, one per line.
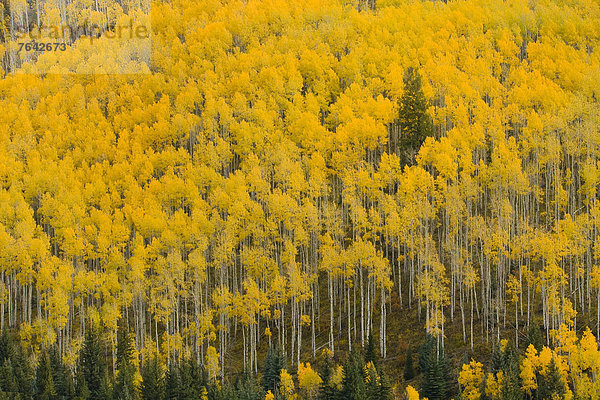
247 387
425 350
534 337
274 363
326 390
6 348
124 387
152 386
353 383
371 352
63 380
550 385
385 387
225 392
506 359
192 380
44 380
377 385
511 386
22 370
8 384
409 369
435 378
81 389
93 366
415 123
172 383
435 369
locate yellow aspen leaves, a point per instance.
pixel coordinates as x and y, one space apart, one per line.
493 383
411 393
471 380
287 388
309 381
212 362
337 376
529 367
313 171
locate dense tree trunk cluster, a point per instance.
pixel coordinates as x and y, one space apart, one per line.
306 176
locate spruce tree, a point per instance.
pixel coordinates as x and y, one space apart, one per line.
425 350
6 348
415 124
511 386
435 369
550 384
93 366
506 359
247 387
63 380
435 380
326 390
23 371
376 383
353 383
81 389
124 386
44 381
8 384
534 337
192 380
172 383
224 392
152 386
385 387
274 363
371 352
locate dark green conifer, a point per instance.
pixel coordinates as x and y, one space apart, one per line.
550 385
172 383
415 124
81 389
385 387
93 366
371 351
274 363
248 388
124 386
63 380
534 337
353 382
192 380
44 380
326 390
435 369
22 370
152 386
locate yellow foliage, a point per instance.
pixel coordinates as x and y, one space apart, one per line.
212 362
309 381
471 380
411 393
337 377
287 387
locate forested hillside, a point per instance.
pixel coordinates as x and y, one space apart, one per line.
350 185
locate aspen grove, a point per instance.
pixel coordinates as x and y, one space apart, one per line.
319 178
